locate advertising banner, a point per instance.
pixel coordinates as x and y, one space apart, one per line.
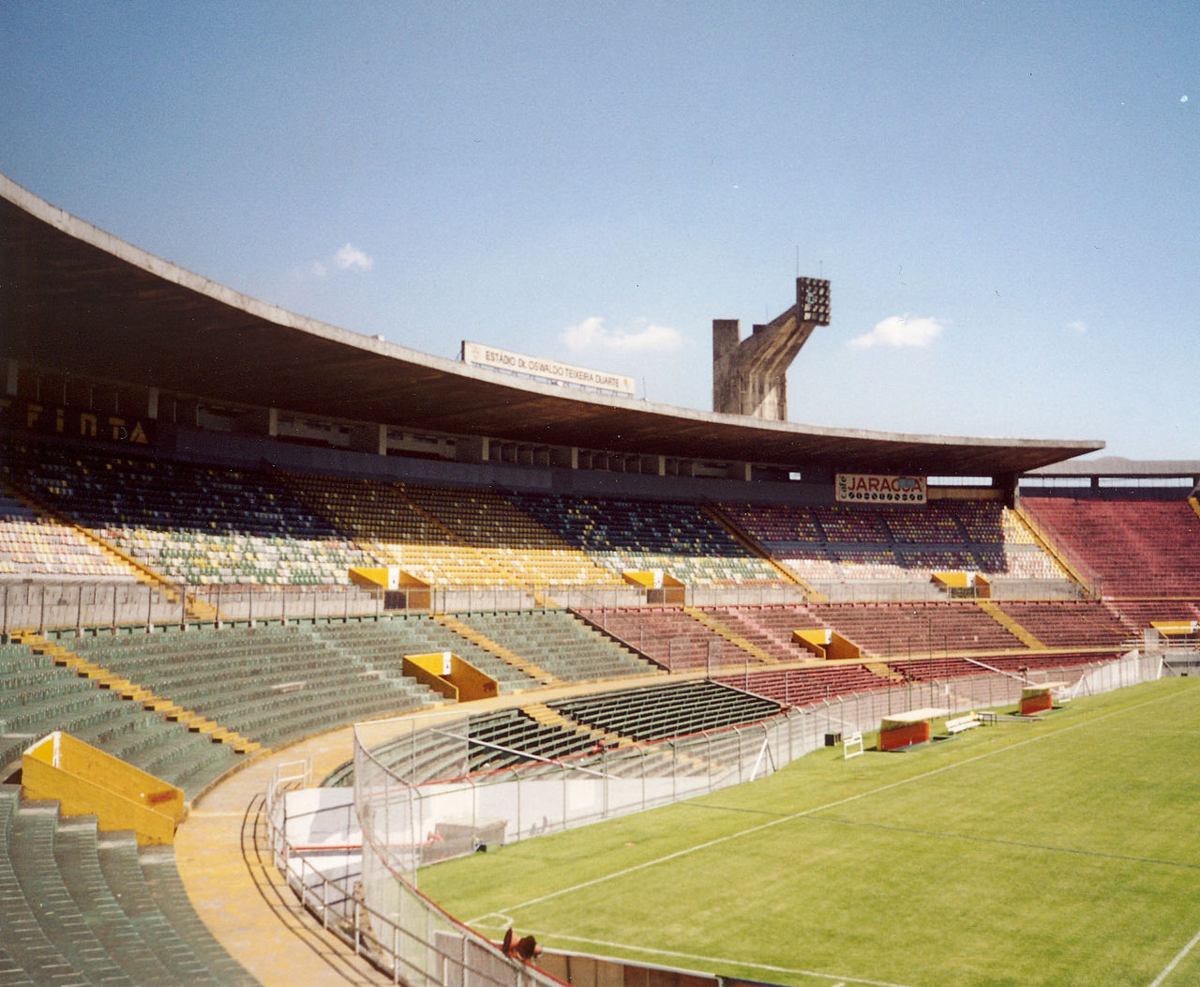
536 366
874 488
76 423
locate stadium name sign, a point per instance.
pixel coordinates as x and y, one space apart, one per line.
76 424
535 366
872 488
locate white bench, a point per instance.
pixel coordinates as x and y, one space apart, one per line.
852 746
961 723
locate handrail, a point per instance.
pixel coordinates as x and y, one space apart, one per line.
423 945
392 947
1051 542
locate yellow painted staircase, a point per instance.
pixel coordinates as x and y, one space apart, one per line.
106 679
734 531
548 717
196 609
885 671
1010 625
1044 542
497 649
731 636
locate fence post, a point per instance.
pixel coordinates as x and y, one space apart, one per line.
564 794
641 755
708 757
738 733
674 744
42 613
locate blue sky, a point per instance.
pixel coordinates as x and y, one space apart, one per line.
1005 196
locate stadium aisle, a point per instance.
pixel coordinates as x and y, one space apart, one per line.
236 896
261 930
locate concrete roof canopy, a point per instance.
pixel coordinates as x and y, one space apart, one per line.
77 300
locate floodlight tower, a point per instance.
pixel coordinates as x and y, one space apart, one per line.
750 377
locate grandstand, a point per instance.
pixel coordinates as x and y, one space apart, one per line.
202 552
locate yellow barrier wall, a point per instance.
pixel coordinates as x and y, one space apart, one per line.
86 781
386 576
826 643
453 677
964 581
660 587
1172 628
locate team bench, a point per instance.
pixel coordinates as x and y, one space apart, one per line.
960 723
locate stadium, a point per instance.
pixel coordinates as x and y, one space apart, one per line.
327 661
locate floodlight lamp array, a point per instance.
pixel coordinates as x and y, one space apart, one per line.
812 298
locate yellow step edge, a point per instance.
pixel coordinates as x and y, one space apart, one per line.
500 651
246 746
106 679
548 717
730 635
1010 624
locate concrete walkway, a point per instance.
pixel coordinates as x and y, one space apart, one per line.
239 894
224 863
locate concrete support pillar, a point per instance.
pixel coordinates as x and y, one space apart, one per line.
474 449
369 438
259 421
750 377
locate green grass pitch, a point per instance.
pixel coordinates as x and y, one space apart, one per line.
1056 852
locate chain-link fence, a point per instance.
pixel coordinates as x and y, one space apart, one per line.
410 814
411 938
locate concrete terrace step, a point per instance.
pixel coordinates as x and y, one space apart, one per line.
505 654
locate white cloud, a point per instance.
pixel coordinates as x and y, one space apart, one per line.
348 258
1079 326
351 257
900 330
593 334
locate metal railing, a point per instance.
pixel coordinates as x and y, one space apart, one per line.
378 910
1092 581
413 940
111 606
